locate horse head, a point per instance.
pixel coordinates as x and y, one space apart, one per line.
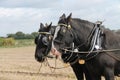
71 33
43 42
64 36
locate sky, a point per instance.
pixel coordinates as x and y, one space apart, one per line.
26 15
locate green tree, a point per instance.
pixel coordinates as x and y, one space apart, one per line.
34 34
29 36
19 35
11 35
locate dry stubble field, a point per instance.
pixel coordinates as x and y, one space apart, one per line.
19 64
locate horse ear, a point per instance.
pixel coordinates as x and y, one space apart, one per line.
41 26
63 16
69 17
49 26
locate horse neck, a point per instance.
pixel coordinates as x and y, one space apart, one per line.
81 32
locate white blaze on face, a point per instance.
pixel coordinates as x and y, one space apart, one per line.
55 35
54 50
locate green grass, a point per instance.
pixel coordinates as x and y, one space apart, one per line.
24 42
21 43
1 40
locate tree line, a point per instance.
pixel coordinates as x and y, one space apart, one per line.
11 38
21 35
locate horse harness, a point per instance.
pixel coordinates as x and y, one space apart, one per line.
95 45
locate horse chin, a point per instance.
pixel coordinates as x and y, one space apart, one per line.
40 59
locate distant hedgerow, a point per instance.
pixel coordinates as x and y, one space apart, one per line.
8 42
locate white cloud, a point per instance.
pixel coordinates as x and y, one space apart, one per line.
28 3
23 19
25 15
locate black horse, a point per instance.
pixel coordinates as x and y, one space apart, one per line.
43 42
76 31
43 46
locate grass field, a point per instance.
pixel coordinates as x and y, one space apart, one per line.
19 64
24 42
18 43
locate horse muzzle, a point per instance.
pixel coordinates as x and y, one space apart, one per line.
55 52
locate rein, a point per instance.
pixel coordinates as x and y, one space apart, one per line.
47 63
55 67
86 52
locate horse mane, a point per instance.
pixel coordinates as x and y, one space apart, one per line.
112 39
82 21
82 24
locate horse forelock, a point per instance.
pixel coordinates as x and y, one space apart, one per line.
83 24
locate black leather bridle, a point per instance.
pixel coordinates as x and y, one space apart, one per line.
44 41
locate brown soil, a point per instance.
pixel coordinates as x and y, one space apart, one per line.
20 64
